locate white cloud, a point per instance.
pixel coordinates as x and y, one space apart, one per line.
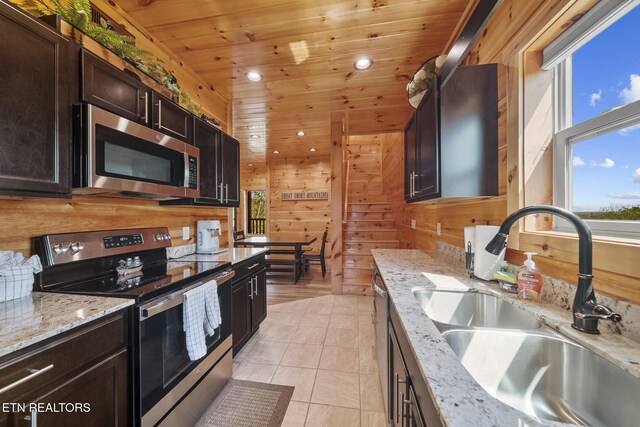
634 195
607 164
595 97
636 175
577 161
631 93
627 131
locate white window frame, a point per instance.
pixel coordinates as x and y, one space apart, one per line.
558 56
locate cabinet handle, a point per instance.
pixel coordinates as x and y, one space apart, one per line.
226 191
34 373
146 107
256 279
253 266
408 415
398 382
221 197
251 288
33 417
159 113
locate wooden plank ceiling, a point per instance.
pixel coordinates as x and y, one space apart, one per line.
305 49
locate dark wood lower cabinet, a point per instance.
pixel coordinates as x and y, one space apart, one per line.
411 403
82 378
249 300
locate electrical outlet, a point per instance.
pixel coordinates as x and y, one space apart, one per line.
186 233
413 224
439 229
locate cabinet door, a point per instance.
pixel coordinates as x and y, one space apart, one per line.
101 394
171 119
241 312
207 139
35 107
469 132
108 87
230 154
410 157
427 179
259 301
398 387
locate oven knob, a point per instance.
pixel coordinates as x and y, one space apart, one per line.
167 236
157 237
76 247
60 249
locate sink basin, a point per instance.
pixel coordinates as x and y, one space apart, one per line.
473 309
548 377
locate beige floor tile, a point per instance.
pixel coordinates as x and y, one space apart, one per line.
296 414
266 352
346 301
344 309
365 304
277 333
370 393
372 419
337 389
309 335
286 317
365 320
302 355
258 372
366 336
368 360
332 416
246 348
320 307
343 359
310 319
344 321
300 378
342 337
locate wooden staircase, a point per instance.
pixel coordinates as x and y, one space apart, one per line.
369 222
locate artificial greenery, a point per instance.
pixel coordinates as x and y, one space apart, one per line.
78 14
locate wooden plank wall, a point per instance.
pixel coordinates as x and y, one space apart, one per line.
23 219
299 219
516 24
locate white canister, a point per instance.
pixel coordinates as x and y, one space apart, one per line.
485 263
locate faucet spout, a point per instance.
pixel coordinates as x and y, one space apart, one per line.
586 311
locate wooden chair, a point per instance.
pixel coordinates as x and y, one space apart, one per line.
238 235
308 258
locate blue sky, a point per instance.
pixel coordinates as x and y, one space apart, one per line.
606 74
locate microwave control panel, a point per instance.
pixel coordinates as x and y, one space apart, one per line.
193 173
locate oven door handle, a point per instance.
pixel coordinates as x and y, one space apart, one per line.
177 298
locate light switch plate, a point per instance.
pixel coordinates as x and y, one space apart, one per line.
413 224
439 229
186 233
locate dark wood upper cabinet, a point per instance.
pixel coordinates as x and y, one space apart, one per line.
230 155
469 159
35 107
171 119
110 88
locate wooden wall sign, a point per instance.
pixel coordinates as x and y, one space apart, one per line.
314 195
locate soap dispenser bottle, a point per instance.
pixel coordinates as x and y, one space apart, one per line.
529 280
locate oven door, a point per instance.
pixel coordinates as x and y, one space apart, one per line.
123 156
164 365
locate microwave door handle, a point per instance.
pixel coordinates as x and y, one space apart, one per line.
187 171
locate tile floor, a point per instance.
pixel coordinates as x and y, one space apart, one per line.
325 348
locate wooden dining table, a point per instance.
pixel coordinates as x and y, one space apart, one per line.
277 242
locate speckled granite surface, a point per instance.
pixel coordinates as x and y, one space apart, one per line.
232 255
42 315
460 400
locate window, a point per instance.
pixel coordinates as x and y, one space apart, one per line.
597 118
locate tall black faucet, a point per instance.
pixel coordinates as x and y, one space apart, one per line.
586 311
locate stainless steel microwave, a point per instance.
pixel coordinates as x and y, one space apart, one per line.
114 155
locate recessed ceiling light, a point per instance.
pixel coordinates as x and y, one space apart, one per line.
254 137
250 164
312 149
254 76
363 63
275 152
300 133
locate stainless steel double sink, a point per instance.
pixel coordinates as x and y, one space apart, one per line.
528 365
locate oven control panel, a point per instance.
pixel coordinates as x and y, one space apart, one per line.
124 240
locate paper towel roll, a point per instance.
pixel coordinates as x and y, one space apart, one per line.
485 263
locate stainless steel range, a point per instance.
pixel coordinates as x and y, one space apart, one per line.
169 388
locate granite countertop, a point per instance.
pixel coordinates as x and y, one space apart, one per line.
459 398
232 255
41 315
